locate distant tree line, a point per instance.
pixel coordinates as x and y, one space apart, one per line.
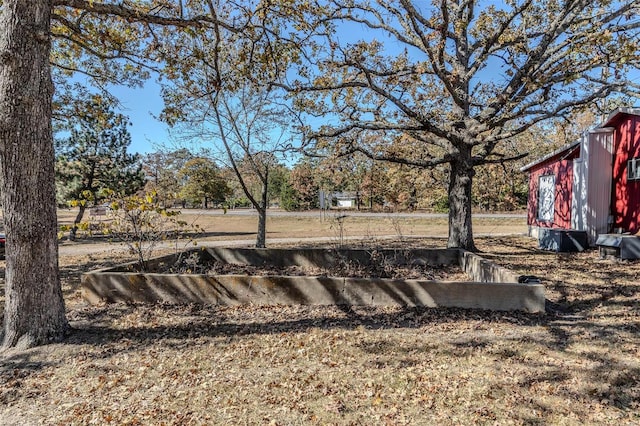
94 158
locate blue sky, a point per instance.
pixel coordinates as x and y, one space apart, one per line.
141 105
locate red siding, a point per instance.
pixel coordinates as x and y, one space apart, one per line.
626 201
562 169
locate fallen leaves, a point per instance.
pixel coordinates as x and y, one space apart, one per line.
192 365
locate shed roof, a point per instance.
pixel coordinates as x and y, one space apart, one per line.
610 121
615 115
557 153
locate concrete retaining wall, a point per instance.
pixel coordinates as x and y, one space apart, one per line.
492 287
483 270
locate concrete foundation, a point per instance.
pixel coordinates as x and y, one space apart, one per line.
491 287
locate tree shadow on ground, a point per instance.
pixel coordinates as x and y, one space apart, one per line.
201 235
589 300
617 288
85 239
551 333
93 324
575 282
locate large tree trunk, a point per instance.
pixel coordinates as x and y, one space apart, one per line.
460 181
34 307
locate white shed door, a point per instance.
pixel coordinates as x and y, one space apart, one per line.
546 197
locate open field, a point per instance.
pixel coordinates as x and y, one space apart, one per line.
125 364
241 225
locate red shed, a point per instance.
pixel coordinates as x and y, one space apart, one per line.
550 188
625 203
591 185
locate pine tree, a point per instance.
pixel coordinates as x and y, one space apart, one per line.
94 158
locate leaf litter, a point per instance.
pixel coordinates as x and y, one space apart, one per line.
193 365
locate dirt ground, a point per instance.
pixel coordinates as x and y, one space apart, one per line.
579 363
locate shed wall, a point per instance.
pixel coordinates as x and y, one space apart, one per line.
591 199
562 169
626 200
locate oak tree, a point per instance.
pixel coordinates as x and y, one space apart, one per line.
116 35
34 308
457 78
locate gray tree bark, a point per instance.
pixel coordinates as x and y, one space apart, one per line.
460 183
34 306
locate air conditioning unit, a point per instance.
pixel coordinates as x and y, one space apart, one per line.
562 240
617 245
633 169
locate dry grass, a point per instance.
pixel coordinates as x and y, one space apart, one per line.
220 226
124 364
